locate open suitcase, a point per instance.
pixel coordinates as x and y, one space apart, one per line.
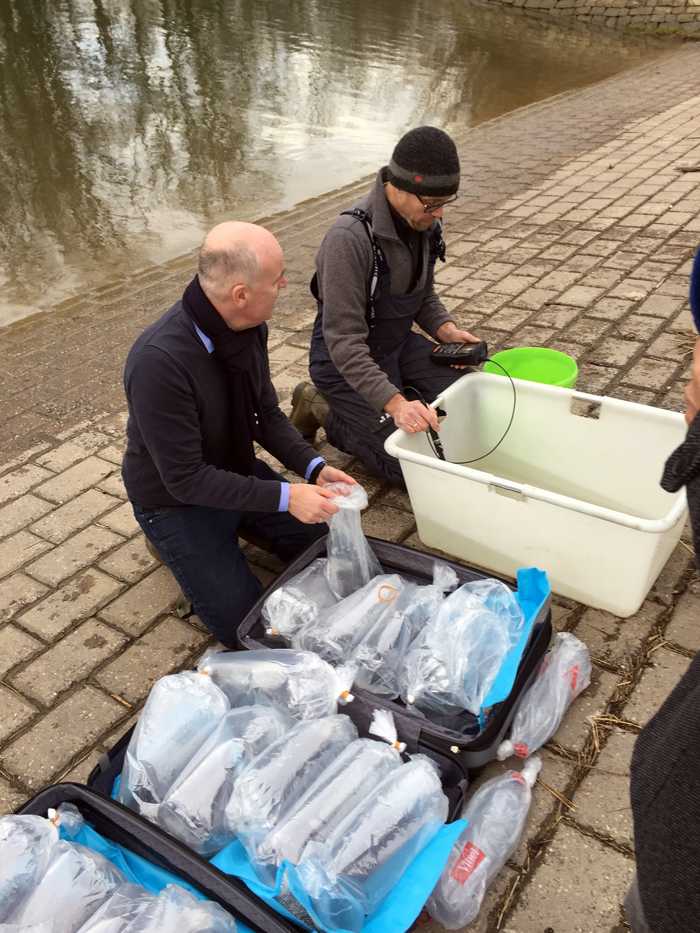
119 825
418 732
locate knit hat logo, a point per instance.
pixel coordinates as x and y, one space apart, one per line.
425 162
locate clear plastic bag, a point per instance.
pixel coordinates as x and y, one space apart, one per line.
77 881
26 843
298 682
181 711
193 808
337 631
565 672
351 561
128 910
497 814
380 652
453 663
352 871
339 788
132 910
271 784
299 601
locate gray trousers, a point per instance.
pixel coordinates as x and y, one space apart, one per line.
356 428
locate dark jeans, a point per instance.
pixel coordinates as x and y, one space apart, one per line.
200 546
355 427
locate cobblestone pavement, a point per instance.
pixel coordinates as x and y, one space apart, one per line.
575 230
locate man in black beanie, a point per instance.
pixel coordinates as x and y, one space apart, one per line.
374 280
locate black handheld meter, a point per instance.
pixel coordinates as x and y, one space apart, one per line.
460 354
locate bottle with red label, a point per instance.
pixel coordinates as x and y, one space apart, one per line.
496 815
565 672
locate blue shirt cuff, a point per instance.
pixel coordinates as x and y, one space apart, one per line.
312 466
284 497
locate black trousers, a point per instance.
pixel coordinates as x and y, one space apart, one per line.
356 428
200 546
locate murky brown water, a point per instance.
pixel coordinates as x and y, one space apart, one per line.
128 128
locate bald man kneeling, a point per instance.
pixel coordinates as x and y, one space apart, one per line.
199 392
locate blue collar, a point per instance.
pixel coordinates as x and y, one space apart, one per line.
205 340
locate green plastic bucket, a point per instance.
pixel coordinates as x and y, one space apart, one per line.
536 364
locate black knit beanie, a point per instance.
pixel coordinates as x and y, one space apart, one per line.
425 161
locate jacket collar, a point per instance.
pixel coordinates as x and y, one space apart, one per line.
382 221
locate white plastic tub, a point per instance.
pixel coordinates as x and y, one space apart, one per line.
573 488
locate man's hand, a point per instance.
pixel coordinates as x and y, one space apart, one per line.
450 333
311 504
692 390
412 417
330 474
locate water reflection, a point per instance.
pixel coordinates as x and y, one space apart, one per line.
127 128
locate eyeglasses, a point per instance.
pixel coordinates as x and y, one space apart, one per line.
430 206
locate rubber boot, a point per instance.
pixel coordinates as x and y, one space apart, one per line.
309 410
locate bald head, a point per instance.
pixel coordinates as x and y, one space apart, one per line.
241 269
235 253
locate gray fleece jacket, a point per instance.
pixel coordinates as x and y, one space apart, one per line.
344 266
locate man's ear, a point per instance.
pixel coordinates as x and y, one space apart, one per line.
239 294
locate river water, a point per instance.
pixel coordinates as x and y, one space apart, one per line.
128 127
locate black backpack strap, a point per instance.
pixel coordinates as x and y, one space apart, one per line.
379 263
437 244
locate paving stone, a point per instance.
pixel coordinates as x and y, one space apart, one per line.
556 316
575 728
10 797
121 520
18 549
112 454
613 640
15 646
142 603
637 327
578 887
51 744
69 661
130 562
655 684
602 799
78 448
660 306
613 352
73 555
19 481
666 586
80 772
387 523
21 512
71 603
113 486
16 592
650 373
160 651
74 480
610 309
580 296
684 627
397 499
16 712
73 516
